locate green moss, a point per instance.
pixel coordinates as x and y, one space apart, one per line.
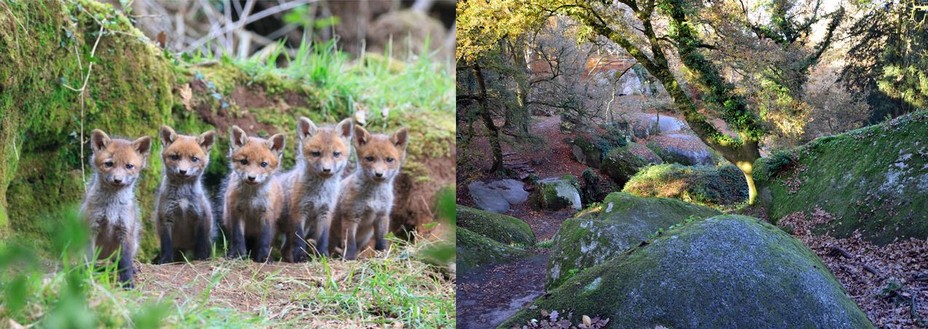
130 83
709 274
873 179
504 229
608 229
474 250
703 185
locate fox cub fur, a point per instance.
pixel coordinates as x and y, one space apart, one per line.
183 213
366 198
110 207
254 198
322 156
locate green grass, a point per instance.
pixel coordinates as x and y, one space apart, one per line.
392 288
377 84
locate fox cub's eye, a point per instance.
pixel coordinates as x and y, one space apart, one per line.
108 164
195 159
243 161
316 153
130 166
263 164
369 159
336 154
389 160
175 157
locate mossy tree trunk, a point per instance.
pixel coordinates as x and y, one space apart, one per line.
487 117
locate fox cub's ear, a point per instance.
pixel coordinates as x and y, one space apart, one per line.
361 136
142 145
206 140
237 137
305 128
400 138
344 128
99 140
167 135
277 143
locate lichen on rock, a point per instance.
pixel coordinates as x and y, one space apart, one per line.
722 272
873 179
621 222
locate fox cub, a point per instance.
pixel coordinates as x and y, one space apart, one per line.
183 214
366 197
254 198
322 156
110 206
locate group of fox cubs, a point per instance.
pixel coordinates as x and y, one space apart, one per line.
312 206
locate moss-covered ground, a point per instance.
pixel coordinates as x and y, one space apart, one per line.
475 250
504 229
718 187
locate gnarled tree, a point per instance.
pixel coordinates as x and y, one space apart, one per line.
678 42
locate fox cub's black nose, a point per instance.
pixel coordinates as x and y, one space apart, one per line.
326 170
183 172
380 174
251 178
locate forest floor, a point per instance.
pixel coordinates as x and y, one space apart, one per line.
388 290
397 288
488 296
888 282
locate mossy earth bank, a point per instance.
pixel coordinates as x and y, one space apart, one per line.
134 87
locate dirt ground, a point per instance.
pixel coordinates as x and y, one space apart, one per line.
335 294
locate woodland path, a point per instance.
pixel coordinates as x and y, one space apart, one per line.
488 296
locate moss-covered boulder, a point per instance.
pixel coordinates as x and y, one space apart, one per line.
873 179
621 164
722 272
134 87
474 251
557 193
504 229
705 185
621 222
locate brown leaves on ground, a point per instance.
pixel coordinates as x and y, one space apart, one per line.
888 282
554 320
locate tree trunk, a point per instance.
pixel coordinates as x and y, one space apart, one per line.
492 129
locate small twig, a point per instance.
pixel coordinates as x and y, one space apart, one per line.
82 91
871 269
842 252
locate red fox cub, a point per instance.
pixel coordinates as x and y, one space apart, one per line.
183 213
322 157
366 197
110 206
254 198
